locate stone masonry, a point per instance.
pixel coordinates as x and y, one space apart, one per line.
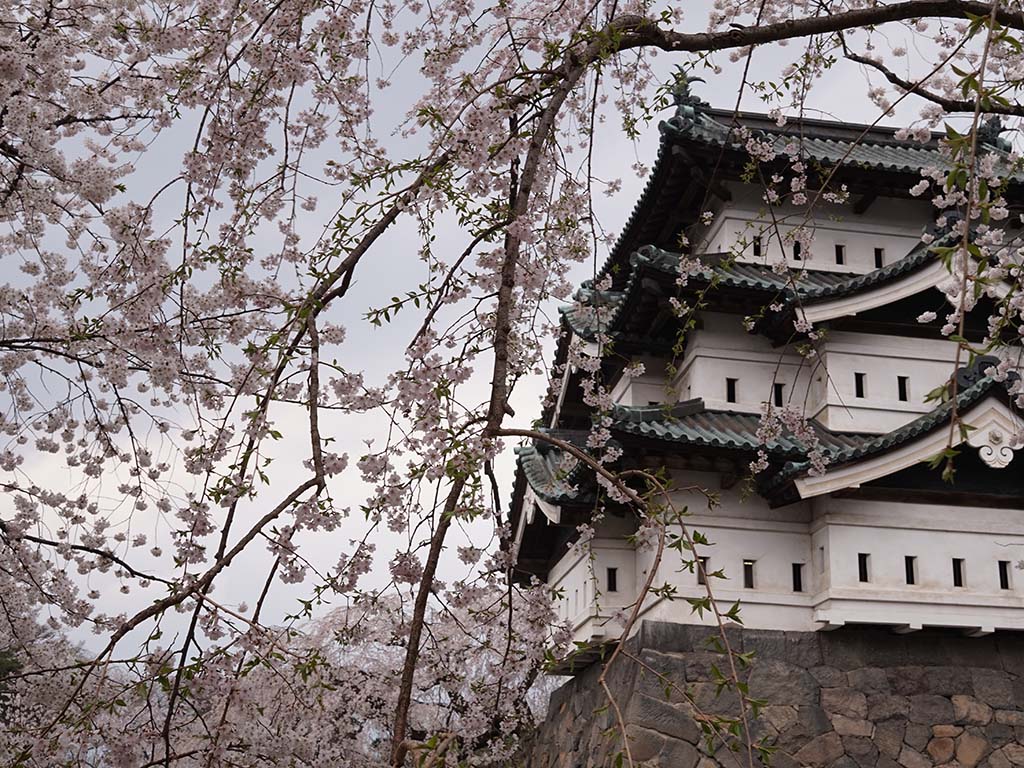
852 698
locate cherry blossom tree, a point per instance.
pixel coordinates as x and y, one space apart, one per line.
192 197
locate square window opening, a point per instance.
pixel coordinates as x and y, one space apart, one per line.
613 579
731 386
840 253
903 385
702 570
860 385
958 572
864 567
910 565
798 577
1004 574
748 574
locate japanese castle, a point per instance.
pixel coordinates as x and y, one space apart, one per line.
876 536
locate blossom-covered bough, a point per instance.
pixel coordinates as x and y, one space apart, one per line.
192 194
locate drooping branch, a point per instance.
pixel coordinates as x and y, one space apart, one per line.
949 105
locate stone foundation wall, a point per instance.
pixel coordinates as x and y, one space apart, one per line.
852 698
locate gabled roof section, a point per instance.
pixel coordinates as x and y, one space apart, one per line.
812 290
553 475
872 154
973 388
560 479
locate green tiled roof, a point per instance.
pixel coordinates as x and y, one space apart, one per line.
972 384
692 424
858 146
558 479
595 311
553 475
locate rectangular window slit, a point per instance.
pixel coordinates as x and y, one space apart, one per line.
958 571
821 559
613 579
798 577
910 564
797 250
730 390
860 384
863 562
840 253
748 574
903 384
1004 574
778 391
702 570
879 258
757 245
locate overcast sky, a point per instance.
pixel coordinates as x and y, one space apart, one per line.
392 267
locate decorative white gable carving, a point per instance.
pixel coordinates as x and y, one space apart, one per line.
995 444
993 424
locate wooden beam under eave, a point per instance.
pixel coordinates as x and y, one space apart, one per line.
864 202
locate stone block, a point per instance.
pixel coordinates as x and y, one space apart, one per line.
811 722
941 749
908 680
678 754
699 666
861 749
917 736
644 744
661 672
820 750
1014 753
800 648
999 734
848 726
967 709
856 647
665 636
951 731
711 699
828 677
780 717
911 758
869 680
945 681
884 761
889 737
997 760
994 687
883 706
1009 717
930 709
779 682
844 701
675 721
971 747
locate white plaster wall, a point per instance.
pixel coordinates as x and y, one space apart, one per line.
723 349
928 363
825 535
893 224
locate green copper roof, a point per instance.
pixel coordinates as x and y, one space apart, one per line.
553 475
828 143
602 310
558 479
690 423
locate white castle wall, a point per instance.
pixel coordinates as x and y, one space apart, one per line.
825 535
895 225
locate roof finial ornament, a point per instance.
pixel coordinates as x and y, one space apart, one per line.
687 104
988 133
